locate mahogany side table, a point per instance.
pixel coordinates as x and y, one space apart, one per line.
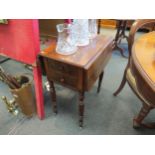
78 71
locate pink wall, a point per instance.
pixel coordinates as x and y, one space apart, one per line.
19 39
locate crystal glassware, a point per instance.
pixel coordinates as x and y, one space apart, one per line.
66 43
93 28
81 29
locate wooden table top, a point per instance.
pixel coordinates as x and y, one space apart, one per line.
84 55
143 53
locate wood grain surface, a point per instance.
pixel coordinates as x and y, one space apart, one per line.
144 57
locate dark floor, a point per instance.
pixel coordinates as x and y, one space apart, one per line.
104 113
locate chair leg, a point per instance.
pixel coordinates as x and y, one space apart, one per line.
100 81
121 85
137 121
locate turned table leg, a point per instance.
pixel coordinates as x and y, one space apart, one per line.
137 122
100 81
53 95
81 108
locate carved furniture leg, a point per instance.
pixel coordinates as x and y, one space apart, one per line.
100 81
81 108
116 47
122 36
53 95
121 85
120 33
123 33
137 122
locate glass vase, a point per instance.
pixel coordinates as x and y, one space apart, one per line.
81 28
93 26
66 43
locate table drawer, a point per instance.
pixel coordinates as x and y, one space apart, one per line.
65 74
63 79
62 67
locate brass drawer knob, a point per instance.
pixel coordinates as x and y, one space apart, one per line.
62 80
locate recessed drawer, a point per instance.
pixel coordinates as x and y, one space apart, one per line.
63 79
62 67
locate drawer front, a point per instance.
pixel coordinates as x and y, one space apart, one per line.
64 74
62 67
63 79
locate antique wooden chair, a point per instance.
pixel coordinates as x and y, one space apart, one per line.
140 71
